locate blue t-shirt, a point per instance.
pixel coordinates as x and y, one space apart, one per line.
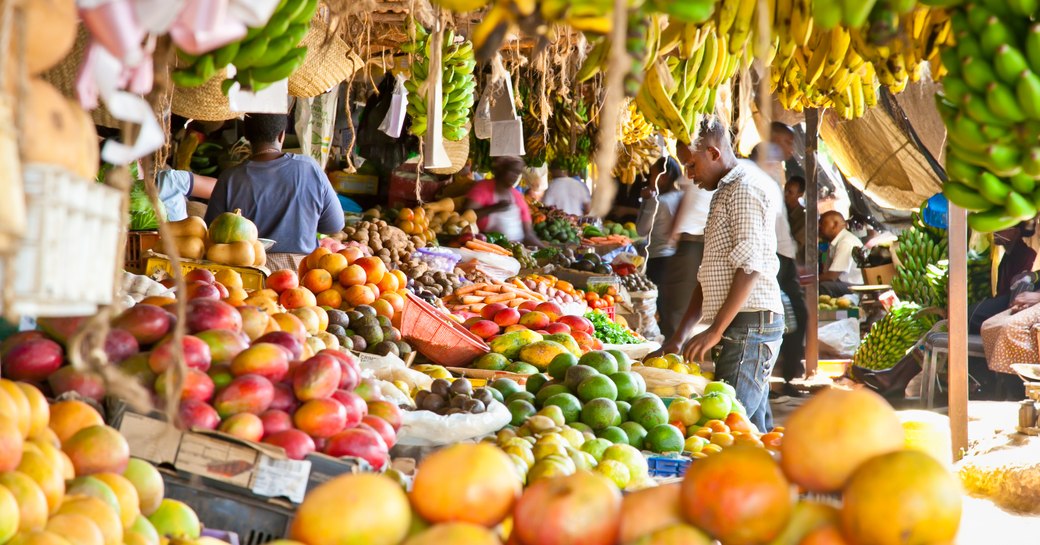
289 199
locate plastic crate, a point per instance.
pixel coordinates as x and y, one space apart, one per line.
668 466
254 521
137 245
439 338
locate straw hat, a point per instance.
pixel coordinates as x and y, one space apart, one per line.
328 63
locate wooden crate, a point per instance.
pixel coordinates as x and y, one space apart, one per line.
137 245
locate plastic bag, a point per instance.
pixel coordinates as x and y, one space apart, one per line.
668 383
393 121
425 428
634 351
498 267
839 339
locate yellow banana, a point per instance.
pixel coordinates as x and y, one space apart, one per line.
742 25
858 98
818 60
707 67
837 48
721 60
727 16
801 22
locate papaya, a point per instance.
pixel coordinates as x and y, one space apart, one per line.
232 227
567 341
192 226
236 254
510 344
190 247
540 353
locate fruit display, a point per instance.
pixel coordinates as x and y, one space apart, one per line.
387 242
68 478
611 332
474 297
205 159
979 278
919 249
557 230
428 283
672 362
628 229
589 262
603 298
266 54
636 282
230 240
826 302
458 86
523 256
478 245
891 337
445 218
989 104
413 222
454 397
561 291
568 144
527 342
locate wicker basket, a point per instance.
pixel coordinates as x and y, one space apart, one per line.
204 103
458 154
63 77
328 63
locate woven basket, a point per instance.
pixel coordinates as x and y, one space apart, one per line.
63 77
328 63
205 103
458 153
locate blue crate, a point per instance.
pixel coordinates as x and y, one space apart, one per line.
668 466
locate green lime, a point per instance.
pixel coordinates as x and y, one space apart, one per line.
569 404
548 391
636 433
627 385
664 438
506 386
559 365
649 411
597 386
601 361
595 447
599 413
614 434
576 374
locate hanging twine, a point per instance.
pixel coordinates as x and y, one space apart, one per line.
604 187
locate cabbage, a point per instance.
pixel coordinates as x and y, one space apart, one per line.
142 216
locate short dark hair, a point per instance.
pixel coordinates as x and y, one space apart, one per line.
781 128
670 169
507 167
798 181
264 128
830 213
711 131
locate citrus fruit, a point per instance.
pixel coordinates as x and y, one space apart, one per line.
636 433
596 387
627 386
648 410
600 360
600 413
520 410
595 447
559 365
616 471
664 438
567 403
613 434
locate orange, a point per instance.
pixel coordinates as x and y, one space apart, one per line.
334 263
402 279
395 300
374 267
406 214
352 253
374 289
313 261
383 308
329 298
359 295
388 283
353 275
420 213
407 226
317 280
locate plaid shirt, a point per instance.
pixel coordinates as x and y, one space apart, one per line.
741 234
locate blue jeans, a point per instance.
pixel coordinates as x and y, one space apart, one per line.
750 346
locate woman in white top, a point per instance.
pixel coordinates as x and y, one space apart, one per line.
660 202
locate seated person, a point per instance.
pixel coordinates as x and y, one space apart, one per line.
840 270
1014 267
287 196
1011 337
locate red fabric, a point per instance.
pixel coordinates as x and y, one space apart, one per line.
483 194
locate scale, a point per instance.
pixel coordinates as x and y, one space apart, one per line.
1029 408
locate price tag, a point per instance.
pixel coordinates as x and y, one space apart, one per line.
286 478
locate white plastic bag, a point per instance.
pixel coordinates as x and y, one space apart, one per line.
498 267
839 339
425 428
668 383
394 119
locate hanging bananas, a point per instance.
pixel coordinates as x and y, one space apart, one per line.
991 106
920 277
458 85
891 337
266 55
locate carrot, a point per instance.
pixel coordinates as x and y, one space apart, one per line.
500 298
470 288
471 299
485 293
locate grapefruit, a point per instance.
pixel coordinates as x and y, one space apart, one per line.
362 509
739 496
901 497
833 433
473 483
454 532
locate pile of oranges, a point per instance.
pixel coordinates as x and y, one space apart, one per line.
599 301
413 222
348 278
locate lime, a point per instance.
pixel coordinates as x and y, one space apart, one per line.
600 360
636 433
624 363
595 447
535 382
599 413
627 385
567 404
520 410
597 386
559 365
548 391
506 386
617 472
664 438
623 407
576 374
490 362
614 434
649 411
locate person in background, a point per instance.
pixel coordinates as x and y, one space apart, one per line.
840 269
499 206
737 293
794 190
175 186
1013 275
567 193
655 220
286 195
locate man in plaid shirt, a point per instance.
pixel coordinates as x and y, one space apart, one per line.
737 291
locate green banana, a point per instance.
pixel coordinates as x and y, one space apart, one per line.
223 56
965 197
277 50
977 109
1033 47
1031 163
1003 160
1003 103
977 73
250 52
282 70
186 78
1023 183
994 219
1009 63
1027 91
992 188
960 171
995 35
954 88
1024 7
276 26
594 61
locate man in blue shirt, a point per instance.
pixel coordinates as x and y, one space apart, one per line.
287 196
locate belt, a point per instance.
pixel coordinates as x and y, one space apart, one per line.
760 317
686 237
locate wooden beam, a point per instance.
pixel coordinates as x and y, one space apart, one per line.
812 295
958 323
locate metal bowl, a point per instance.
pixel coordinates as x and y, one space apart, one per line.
268 243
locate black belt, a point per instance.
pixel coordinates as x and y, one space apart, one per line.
761 317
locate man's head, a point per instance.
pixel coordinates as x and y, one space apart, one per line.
507 170
556 171
664 173
832 223
1012 235
265 129
710 157
783 136
794 190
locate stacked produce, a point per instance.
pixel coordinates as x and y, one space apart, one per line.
611 332
601 298
586 262
826 302
989 104
522 255
266 55
444 217
230 240
867 465
920 247
458 85
68 478
569 135
527 342
560 291
423 280
891 337
672 362
387 242
454 397
474 297
636 281
413 222
979 276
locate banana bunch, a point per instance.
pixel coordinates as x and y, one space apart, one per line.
570 136
991 106
538 18
891 337
634 127
206 159
899 59
266 55
979 276
635 160
917 250
534 131
735 20
458 85
853 13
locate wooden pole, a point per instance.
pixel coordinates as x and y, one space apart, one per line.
812 295
957 375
